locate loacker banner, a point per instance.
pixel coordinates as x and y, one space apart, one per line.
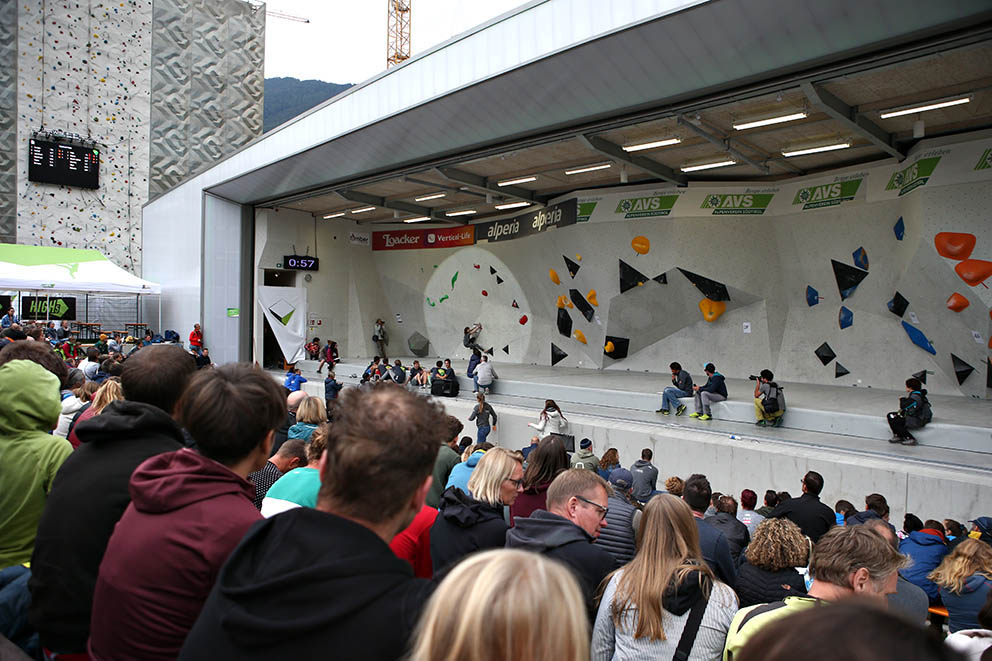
448 237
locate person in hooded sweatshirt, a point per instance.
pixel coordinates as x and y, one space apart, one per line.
90 492
71 403
926 548
322 582
645 476
461 473
585 458
577 506
189 509
474 521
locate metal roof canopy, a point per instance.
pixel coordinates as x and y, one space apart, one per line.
709 53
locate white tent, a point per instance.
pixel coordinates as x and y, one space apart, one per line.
39 268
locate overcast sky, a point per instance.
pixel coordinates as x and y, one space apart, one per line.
345 40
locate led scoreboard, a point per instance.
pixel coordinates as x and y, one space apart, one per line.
63 163
301 263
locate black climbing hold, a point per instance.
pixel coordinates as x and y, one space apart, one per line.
564 322
848 278
962 370
499 280
572 267
506 349
581 304
840 370
898 305
921 375
489 351
621 345
711 289
515 303
557 355
492 271
825 353
988 373
661 279
630 277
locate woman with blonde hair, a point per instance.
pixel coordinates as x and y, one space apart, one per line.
768 570
964 578
504 605
474 521
109 392
312 412
648 604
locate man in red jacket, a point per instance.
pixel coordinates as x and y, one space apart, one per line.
196 340
188 511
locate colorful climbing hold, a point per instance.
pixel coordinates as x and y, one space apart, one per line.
861 258
899 229
578 258
918 338
454 278
523 320
477 266
641 245
712 309
580 336
974 271
812 296
430 302
954 245
591 297
845 318
554 276
485 293
609 347
442 299
560 303
957 302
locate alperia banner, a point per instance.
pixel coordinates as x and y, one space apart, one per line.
827 195
737 204
913 176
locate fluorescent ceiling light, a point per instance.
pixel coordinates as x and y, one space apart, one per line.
651 145
770 120
465 212
816 150
334 215
590 168
363 210
418 219
513 205
925 106
518 180
432 196
707 166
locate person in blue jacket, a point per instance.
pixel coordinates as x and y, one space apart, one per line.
964 578
926 548
331 389
714 390
461 472
473 362
294 380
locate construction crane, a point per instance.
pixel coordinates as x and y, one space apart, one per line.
398 32
288 17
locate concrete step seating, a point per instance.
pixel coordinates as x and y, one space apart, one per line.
739 408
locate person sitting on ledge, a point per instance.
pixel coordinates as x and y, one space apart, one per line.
418 375
714 390
914 412
294 380
681 387
769 400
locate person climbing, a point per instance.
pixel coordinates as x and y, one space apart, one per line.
914 412
470 335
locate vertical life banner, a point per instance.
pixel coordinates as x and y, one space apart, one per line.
286 310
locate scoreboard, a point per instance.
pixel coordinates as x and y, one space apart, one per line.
63 163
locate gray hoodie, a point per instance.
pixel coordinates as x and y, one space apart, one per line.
645 479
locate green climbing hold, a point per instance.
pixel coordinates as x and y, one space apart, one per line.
442 299
454 278
430 302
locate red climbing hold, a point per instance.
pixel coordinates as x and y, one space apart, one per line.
476 266
954 245
974 271
485 293
523 320
957 302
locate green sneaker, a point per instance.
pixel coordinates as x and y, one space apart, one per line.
663 411
694 415
705 417
680 410
761 423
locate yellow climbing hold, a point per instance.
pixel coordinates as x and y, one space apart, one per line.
640 244
591 297
561 301
610 347
712 309
580 336
578 258
554 276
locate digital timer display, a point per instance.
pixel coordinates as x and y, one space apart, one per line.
301 263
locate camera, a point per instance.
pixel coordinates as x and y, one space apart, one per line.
753 377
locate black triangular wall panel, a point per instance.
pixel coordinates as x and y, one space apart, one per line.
630 277
711 289
962 370
557 355
848 277
572 267
581 304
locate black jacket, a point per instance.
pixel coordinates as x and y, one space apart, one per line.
736 532
813 517
282 433
618 536
88 497
559 538
305 584
716 552
761 586
463 526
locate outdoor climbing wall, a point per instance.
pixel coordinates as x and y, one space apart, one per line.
8 121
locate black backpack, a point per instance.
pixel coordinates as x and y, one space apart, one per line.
771 402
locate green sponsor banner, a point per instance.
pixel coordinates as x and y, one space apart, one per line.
827 195
54 307
985 162
585 211
741 204
914 176
233 312
646 207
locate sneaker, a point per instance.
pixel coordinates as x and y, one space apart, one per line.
694 414
705 417
680 410
895 439
662 411
762 423
910 441
777 422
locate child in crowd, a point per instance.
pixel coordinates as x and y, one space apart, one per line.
331 389
294 380
313 348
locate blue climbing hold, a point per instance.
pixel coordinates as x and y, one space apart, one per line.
812 296
845 318
918 338
899 229
861 258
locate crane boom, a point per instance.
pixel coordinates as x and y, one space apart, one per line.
398 32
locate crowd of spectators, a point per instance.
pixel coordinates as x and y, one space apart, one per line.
212 514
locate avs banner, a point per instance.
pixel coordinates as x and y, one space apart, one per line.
286 310
557 215
56 308
447 237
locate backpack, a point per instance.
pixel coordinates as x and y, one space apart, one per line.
171 336
925 414
771 402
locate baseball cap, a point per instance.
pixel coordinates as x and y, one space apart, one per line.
621 477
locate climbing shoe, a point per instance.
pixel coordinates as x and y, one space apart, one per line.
694 414
705 417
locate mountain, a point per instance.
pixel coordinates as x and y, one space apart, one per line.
286 98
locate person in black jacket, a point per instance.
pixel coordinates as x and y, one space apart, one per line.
577 507
323 581
769 566
914 412
725 520
90 493
469 523
813 517
713 543
714 390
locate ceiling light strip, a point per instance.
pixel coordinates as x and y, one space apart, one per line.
513 205
925 106
816 150
464 212
518 180
363 209
418 219
770 120
334 215
707 166
589 168
652 145
432 196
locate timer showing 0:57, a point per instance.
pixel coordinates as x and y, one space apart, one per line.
301 263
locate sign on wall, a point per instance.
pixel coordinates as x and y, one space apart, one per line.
56 308
4 304
359 239
557 215
449 237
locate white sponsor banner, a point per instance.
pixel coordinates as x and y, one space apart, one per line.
286 310
360 239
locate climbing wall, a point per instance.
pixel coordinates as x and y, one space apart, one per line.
8 121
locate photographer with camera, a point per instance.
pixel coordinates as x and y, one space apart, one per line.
769 400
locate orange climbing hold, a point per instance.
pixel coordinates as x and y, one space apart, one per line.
561 301
580 336
554 276
610 347
712 309
974 271
591 297
954 245
578 258
641 245
957 302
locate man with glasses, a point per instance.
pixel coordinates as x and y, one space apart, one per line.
577 506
